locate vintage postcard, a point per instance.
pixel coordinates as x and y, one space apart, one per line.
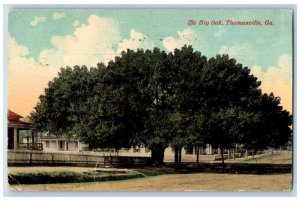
150 100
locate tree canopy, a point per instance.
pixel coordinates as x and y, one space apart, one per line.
160 99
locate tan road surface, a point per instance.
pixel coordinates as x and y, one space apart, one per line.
178 182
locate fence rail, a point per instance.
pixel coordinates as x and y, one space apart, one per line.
30 146
44 158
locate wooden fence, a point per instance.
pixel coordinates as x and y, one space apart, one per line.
21 158
30 146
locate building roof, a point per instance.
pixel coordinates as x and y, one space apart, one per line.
14 120
19 123
12 114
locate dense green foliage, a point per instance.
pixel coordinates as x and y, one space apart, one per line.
158 100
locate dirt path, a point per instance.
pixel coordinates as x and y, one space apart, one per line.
178 182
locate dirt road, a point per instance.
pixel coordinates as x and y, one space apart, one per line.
178 182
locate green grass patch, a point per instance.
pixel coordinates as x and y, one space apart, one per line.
68 177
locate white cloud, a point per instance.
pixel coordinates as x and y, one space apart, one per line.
277 79
76 23
137 40
37 20
92 43
57 16
238 50
15 50
186 37
26 78
243 53
219 32
88 45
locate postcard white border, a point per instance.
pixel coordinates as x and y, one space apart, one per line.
8 193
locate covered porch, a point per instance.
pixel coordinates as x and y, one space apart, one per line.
15 126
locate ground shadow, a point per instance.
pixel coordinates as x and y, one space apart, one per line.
230 168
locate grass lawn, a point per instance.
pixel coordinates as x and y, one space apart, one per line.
278 157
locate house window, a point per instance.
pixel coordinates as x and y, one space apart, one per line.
76 145
47 144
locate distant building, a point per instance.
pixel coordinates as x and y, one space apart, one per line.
53 143
50 143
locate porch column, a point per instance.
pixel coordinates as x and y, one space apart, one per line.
65 145
57 145
15 138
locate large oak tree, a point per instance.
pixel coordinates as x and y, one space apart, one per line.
160 99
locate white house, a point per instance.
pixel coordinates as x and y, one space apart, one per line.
54 144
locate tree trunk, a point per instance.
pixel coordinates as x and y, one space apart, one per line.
176 157
32 137
179 156
198 150
157 155
222 157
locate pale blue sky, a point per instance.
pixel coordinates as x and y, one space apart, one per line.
266 42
